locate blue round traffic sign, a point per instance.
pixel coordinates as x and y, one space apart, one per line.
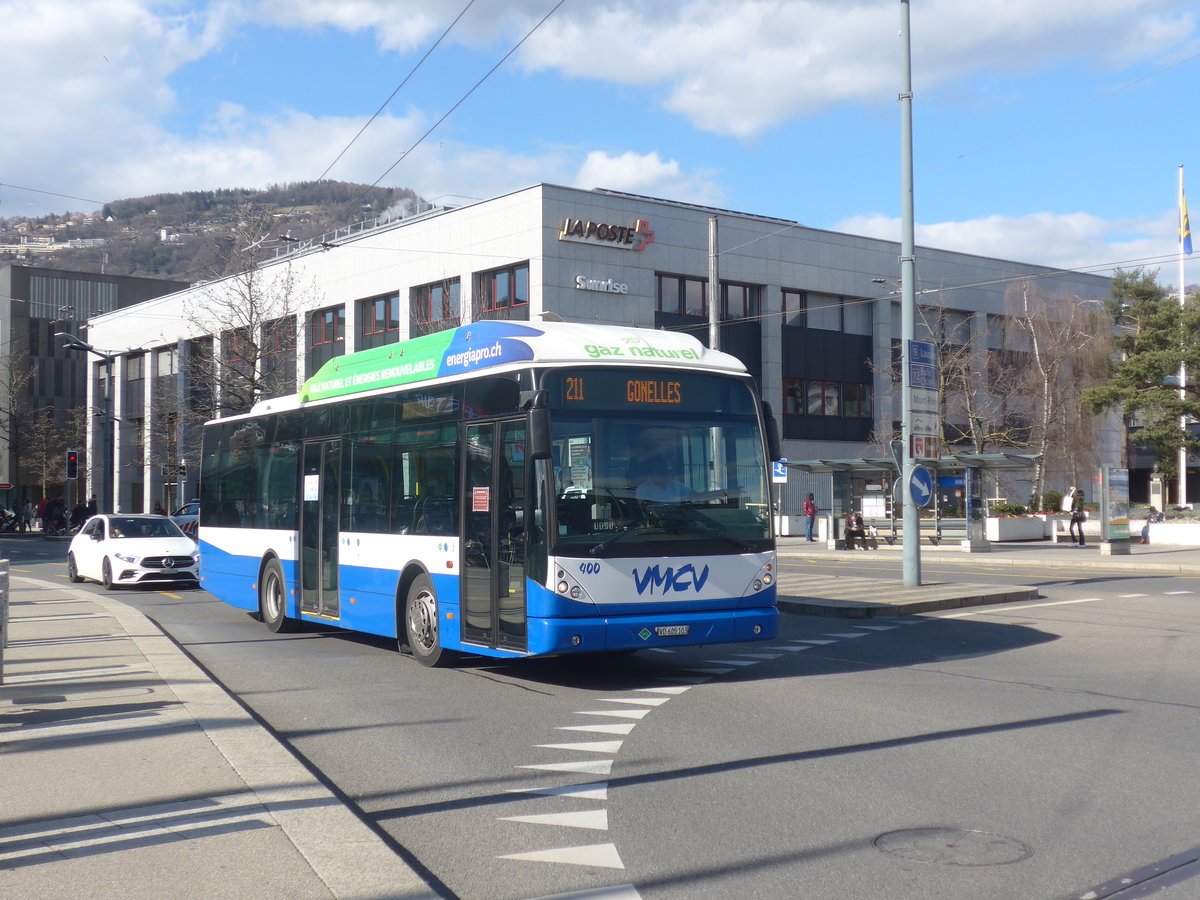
920 486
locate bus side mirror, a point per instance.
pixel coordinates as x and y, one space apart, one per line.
539 433
774 447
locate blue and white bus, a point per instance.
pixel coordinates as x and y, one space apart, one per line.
503 489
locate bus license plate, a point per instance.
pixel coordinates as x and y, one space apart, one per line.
671 630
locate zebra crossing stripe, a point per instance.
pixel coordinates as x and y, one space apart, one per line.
602 856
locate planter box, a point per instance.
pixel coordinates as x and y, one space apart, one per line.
1170 534
1022 528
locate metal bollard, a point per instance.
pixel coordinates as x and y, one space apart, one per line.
3 613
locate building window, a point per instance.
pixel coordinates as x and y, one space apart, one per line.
501 289
326 337
795 308
278 357
740 301
436 307
166 361
824 311
824 398
856 401
378 321
856 315
328 326
793 397
681 295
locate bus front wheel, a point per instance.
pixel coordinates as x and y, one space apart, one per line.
421 623
272 598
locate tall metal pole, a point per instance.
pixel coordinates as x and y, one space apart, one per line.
908 318
1183 455
714 288
107 475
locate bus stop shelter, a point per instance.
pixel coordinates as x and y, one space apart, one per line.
871 485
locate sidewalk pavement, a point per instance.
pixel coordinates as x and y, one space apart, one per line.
848 596
126 772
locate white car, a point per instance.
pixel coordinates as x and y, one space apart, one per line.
119 549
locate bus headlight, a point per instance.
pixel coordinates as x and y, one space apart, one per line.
563 587
763 578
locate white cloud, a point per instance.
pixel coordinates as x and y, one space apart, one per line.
740 66
646 174
1069 241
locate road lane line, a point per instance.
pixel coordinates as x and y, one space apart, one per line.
1006 609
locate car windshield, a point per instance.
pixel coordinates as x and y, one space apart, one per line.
132 527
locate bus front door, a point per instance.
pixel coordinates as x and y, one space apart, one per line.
319 490
493 565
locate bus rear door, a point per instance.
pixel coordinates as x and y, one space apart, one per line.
493 565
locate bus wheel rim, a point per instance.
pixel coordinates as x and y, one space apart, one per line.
422 619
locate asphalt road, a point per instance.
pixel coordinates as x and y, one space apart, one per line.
1037 750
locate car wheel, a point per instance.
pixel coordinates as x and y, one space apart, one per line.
421 624
72 571
106 578
272 598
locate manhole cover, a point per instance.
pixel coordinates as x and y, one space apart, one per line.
953 847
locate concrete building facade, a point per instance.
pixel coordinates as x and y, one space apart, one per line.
41 381
813 314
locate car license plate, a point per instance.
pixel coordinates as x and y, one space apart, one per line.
671 630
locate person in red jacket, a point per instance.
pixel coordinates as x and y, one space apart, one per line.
810 517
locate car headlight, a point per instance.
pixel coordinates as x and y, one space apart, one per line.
125 557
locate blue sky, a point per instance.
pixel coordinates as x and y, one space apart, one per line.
1047 131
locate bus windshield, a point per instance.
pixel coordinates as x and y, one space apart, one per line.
647 465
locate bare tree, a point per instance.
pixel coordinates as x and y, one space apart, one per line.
250 313
1067 348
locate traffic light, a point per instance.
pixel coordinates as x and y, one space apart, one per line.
72 465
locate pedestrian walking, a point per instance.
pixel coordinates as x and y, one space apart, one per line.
1078 515
810 517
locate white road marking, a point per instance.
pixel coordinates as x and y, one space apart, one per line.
615 713
1005 609
795 649
586 747
760 655
615 892
734 662
708 671
598 767
596 790
811 641
1127 596
603 856
876 627
662 690
596 819
1172 593
850 634
622 728
636 701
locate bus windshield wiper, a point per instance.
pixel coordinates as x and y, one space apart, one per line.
620 535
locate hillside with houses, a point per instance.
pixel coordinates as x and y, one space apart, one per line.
186 236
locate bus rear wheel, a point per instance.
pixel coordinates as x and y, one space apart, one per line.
272 598
421 623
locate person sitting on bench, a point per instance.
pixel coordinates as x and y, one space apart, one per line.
855 530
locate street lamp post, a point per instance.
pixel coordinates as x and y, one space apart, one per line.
106 474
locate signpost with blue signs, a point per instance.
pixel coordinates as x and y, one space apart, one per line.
779 471
920 486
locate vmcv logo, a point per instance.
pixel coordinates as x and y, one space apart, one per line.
684 578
